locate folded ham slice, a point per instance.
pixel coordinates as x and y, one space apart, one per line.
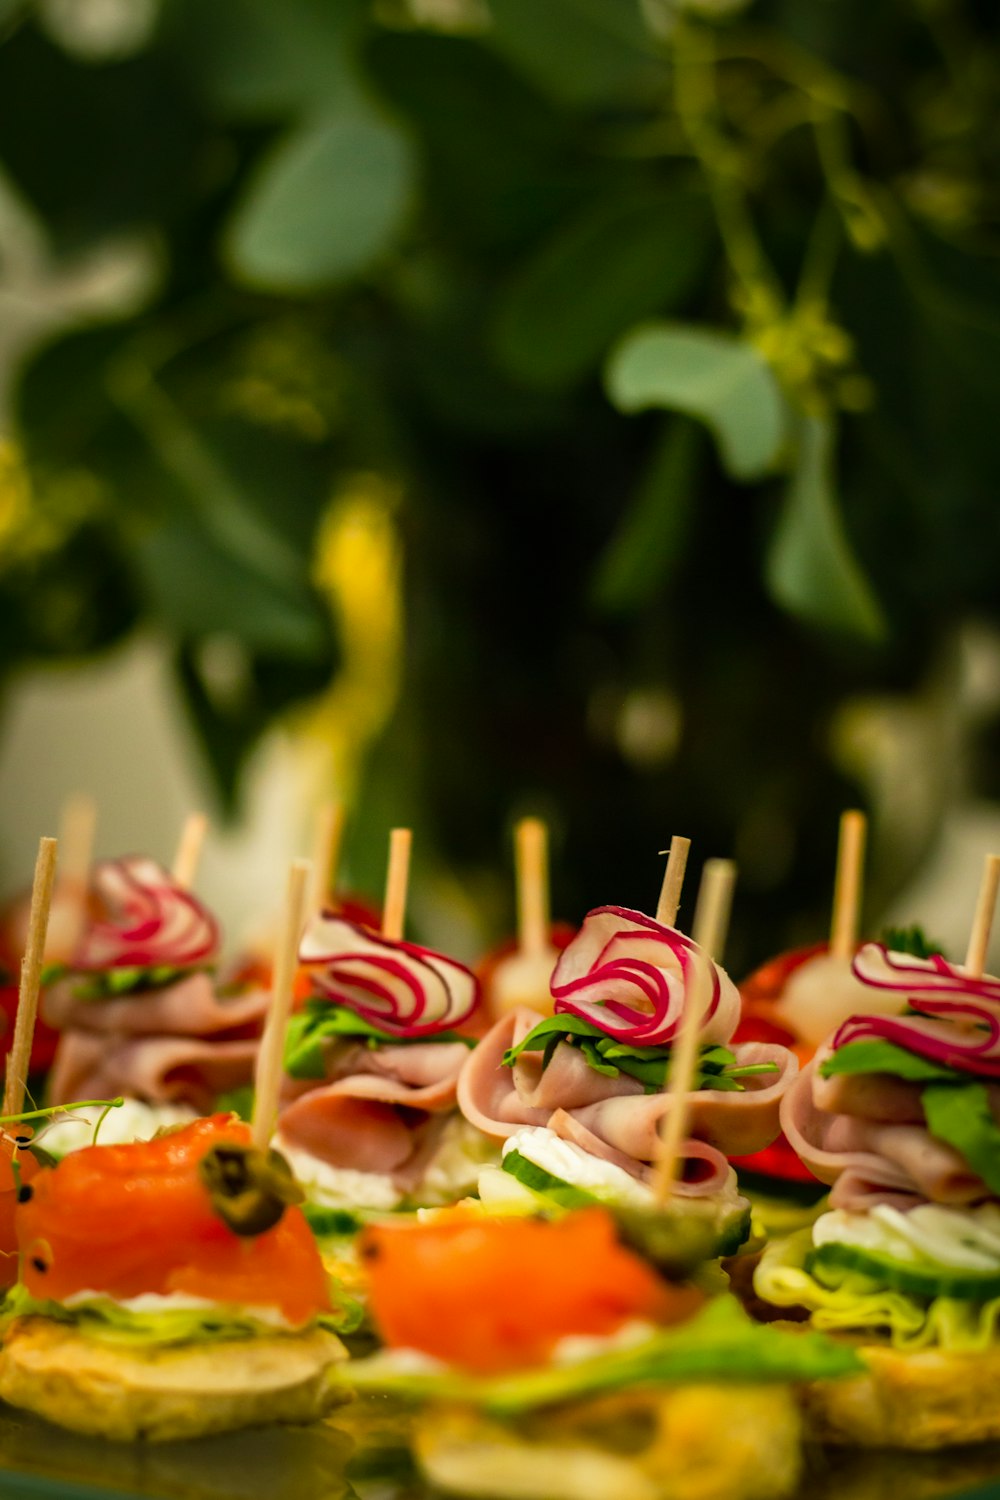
870 1157
378 1109
190 1006
616 1112
180 1042
157 1069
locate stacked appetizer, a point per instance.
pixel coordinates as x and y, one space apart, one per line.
140 1009
169 1288
579 1098
550 1361
899 1114
368 1114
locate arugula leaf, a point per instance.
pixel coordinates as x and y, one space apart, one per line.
960 1115
610 1055
111 983
720 1344
323 1020
553 1027
877 1056
909 940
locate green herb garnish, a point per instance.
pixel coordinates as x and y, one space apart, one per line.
322 1021
717 1066
911 940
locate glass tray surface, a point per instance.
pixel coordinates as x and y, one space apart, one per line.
361 1453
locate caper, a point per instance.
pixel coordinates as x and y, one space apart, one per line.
249 1189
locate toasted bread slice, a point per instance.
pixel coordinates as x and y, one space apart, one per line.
925 1399
167 1392
641 1445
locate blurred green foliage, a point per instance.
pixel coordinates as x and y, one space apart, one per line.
677 322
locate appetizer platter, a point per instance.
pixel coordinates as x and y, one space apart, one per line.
356 1219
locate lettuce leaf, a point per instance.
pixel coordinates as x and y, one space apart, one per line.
721 1344
717 1068
321 1020
960 1115
850 1301
877 1056
109 984
109 1322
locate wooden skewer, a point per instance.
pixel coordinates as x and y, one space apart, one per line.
77 827
396 884
267 1083
185 865
531 843
711 920
673 880
18 1062
847 884
328 838
982 922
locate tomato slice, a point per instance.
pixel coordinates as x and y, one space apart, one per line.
498 1294
137 1218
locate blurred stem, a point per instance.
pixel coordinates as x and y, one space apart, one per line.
696 103
820 258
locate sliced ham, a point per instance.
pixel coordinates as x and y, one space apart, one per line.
616 1111
704 1171
871 1160
188 1007
379 1109
159 1070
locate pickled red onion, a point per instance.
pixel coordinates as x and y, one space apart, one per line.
628 973
959 1020
147 920
401 987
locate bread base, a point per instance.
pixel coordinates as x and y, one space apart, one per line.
642 1445
161 1394
927 1399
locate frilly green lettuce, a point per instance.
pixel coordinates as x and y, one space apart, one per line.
106 1320
849 1301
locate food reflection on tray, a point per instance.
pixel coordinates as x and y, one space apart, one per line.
484 1247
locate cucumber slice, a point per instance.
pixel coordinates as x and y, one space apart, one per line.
675 1240
919 1278
540 1181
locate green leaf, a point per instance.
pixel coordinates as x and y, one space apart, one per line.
254 59
719 1344
960 1115
582 52
324 206
911 940
877 1056
198 588
810 568
713 376
321 1020
620 260
648 546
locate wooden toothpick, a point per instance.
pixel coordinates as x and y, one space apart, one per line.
673 880
328 837
982 922
531 845
77 827
185 865
396 884
711 920
19 1058
270 1058
848 884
